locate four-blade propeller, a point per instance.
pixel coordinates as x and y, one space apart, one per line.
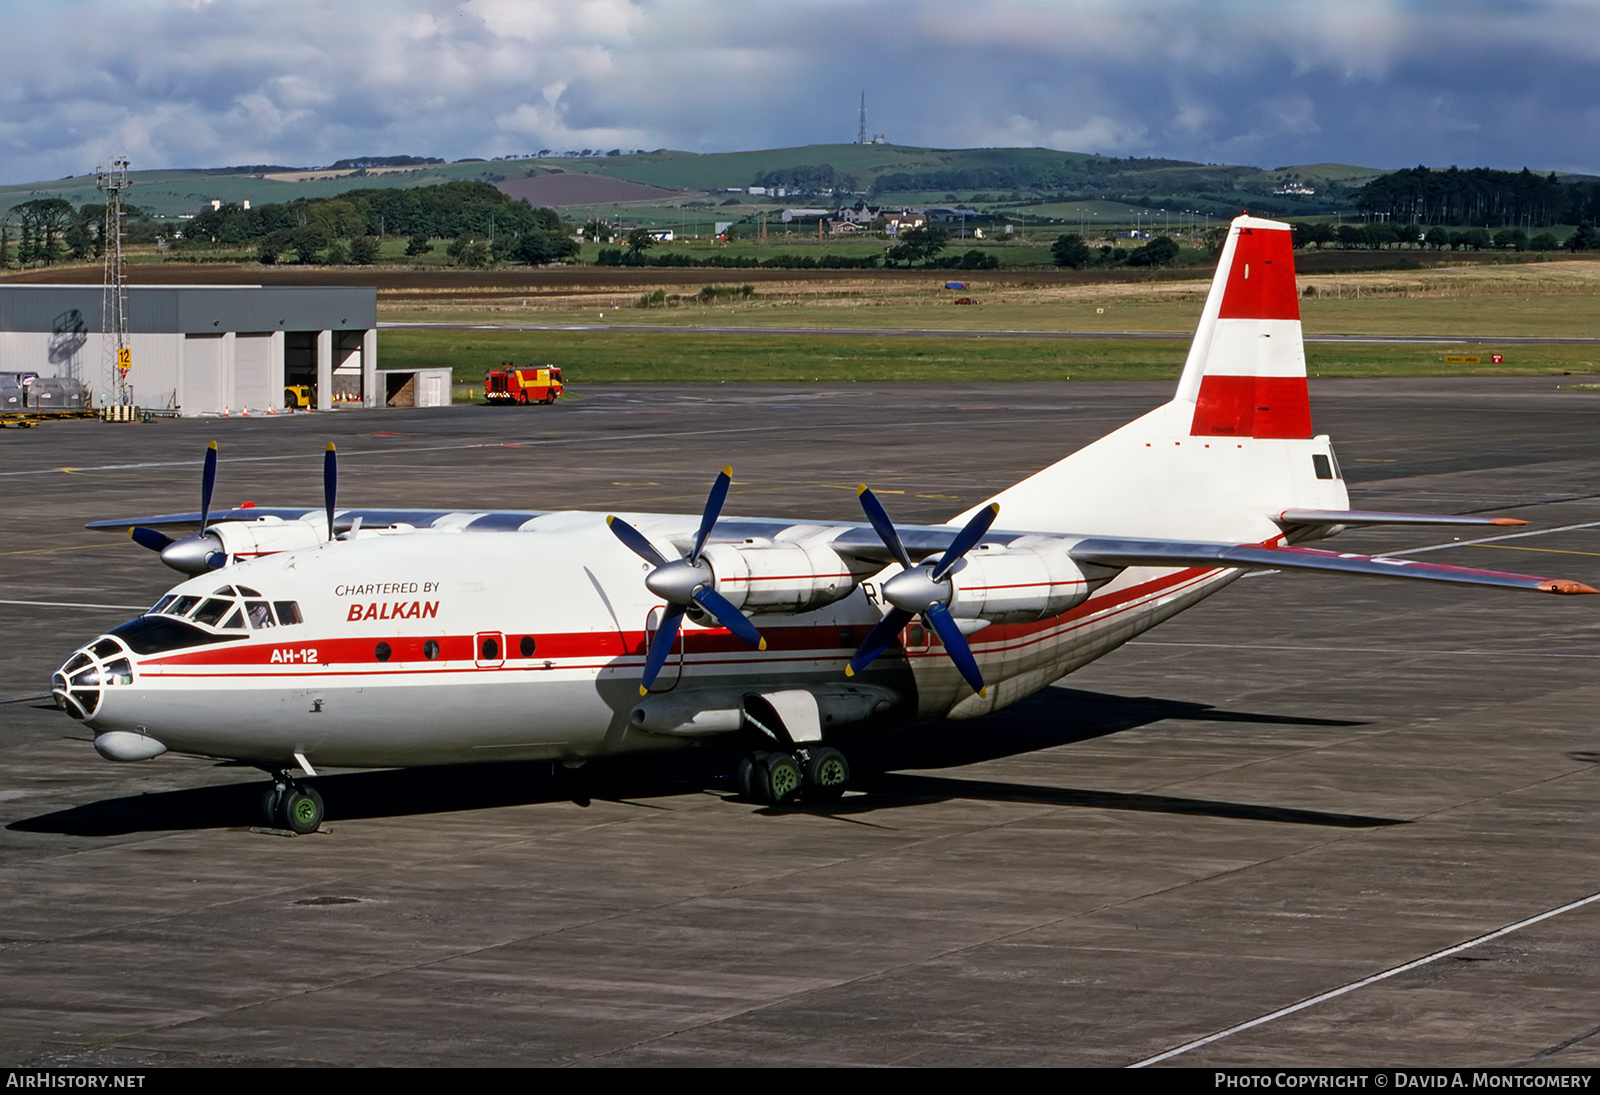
204 551
923 590
684 582
193 554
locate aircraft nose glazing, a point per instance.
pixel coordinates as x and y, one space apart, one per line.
79 685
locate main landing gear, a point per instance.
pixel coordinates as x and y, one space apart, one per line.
811 773
290 805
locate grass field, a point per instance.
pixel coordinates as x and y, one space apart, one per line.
597 357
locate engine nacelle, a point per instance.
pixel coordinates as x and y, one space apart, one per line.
1029 579
266 536
783 578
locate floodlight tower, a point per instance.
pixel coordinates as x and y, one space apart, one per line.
115 356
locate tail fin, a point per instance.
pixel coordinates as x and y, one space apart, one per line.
1233 448
1246 371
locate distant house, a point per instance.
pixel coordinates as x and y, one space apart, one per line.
789 215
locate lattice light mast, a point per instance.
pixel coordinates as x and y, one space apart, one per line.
116 356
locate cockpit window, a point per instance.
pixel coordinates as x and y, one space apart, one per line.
182 606
246 591
161 604
211 611
288 612
154 634
235 621
260 613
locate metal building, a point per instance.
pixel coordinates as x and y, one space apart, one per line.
203 349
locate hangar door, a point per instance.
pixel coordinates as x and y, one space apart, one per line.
201 389
255 382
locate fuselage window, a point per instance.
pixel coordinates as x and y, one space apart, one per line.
430 650
527 646
490 650
288 612
260 614
382 653
1323 466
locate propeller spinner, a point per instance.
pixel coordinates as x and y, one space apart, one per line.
923 590
685 581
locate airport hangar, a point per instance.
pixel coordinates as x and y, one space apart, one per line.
201 350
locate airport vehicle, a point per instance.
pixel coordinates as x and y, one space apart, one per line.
523 384
298 397
370 638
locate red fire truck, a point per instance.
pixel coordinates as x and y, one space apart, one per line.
522 384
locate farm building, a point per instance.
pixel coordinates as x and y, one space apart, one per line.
201 349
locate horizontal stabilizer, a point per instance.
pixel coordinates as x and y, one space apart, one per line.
1377 517
1168 553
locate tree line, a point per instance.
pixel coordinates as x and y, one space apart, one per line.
1478 196
483 224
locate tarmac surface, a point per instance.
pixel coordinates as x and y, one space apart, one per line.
1298 786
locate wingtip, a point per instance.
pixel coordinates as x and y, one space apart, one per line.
1565 586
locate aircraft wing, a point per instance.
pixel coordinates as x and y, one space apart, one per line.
1377 517
1123 553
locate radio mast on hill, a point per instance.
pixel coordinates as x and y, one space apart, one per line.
861 135
115 355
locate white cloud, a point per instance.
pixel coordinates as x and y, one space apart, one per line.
302 81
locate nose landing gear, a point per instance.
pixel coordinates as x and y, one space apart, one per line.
290 805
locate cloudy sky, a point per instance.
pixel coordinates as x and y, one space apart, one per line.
1382 83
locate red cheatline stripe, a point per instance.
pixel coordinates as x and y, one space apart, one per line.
1261 279
355 656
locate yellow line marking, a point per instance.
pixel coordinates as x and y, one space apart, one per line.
75 547
1519 547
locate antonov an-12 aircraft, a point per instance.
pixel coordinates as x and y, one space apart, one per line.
368 639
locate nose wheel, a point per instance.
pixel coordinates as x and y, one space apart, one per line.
291 805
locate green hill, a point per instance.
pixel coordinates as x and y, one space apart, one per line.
1015 177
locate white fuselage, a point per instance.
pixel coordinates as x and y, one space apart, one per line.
430 647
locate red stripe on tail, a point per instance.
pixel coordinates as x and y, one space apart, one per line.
1261 281
1252 406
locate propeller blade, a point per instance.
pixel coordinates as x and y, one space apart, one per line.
661 646
882 525
969 535
724 613
714 500
955 645
635 542
878 640
208 480
149 538
330 483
